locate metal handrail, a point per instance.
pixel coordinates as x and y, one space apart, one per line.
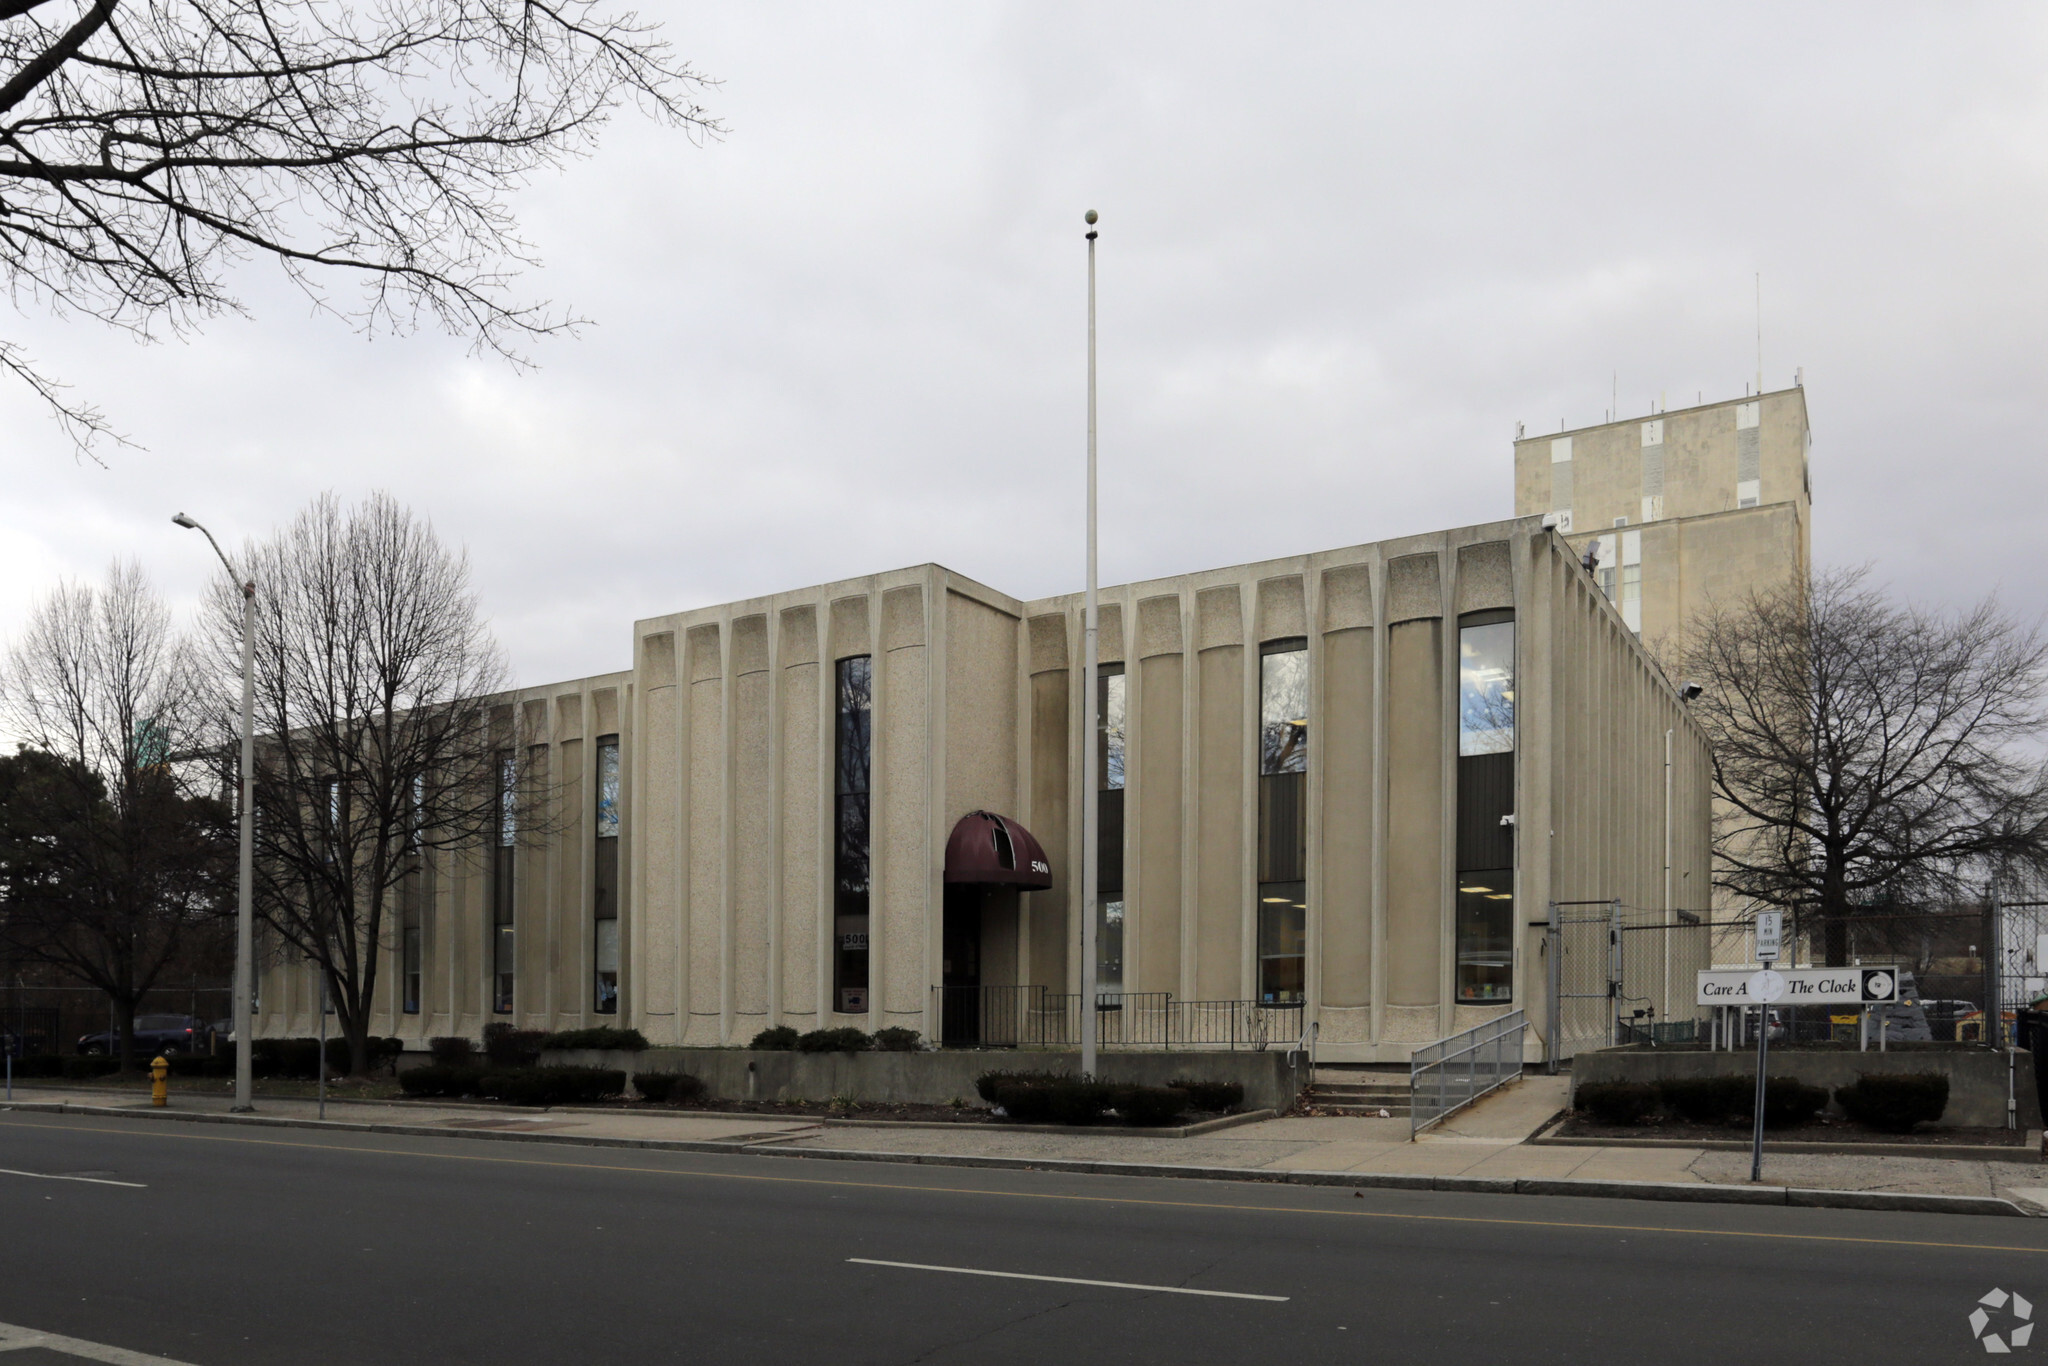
1467 1065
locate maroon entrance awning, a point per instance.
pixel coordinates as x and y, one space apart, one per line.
994 851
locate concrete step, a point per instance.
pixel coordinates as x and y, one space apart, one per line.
1362 1072
1359 1091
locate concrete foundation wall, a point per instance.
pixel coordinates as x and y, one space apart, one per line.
1976 1076
1270 1081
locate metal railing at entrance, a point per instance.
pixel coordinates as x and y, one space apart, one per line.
1446 1076
1033 1017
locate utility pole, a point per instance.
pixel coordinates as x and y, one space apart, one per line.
245 933
1091 801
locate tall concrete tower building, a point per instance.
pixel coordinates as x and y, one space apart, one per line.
1686 507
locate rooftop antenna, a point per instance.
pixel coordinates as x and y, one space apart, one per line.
1759 332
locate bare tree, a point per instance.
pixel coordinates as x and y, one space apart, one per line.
376 749
145 145
1867 750
112 856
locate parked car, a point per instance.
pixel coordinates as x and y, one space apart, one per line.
1943 1016
153 1034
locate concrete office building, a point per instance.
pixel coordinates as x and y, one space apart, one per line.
1338 787
1684 507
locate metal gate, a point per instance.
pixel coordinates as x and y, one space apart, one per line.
1622 974
1584 945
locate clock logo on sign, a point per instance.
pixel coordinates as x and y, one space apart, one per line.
1879 984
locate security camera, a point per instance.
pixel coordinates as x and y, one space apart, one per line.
1688 691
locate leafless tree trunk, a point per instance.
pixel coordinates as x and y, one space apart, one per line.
374 671
1867 750
114 854
147 144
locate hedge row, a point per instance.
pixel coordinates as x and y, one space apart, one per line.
1893 1102
1058 1098
300 1058
1201 1095
783 1039
668 1088
516 1085
604 1036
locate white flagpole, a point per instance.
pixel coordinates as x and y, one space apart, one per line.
1090 800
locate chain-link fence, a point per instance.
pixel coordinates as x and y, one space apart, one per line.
54 1019
1623 974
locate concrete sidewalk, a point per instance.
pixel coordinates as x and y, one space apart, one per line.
1486 1142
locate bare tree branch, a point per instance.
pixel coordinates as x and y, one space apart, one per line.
380 739
1869 751
147 147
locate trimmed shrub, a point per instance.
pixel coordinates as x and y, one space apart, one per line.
511 1048
843 1040
437 1079
1616 1102
1210 1095
451 1051
603 1036
1710 1100
1897 1102
780 1039
1150 1105
1028 1101
988 1083
668 1088
897 1039
1789 1101
552 1085
86 1067
40 1065
1075 1101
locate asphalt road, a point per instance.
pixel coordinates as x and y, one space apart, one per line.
284 1246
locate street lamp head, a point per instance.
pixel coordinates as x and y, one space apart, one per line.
186 522
1089 217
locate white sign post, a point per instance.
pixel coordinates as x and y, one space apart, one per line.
1764 987
1770 935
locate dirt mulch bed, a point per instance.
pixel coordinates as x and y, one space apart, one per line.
1822 1130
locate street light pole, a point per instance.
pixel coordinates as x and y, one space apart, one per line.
1090 799
245 932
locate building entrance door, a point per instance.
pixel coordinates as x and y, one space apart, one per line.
960 967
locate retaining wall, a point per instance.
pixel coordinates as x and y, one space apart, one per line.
1976 1076
1269 1079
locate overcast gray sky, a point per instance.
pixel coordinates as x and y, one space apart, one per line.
1345 249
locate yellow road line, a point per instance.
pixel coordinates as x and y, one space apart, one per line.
1042 1195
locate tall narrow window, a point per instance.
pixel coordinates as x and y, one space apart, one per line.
1110 730
605 894
412 896
503 857
853 745
1283 820
1486 803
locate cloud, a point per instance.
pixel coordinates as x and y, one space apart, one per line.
1344 251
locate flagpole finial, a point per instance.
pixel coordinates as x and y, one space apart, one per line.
1089 217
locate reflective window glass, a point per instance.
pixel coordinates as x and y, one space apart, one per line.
608 788
1283 708
1486 688
1486 937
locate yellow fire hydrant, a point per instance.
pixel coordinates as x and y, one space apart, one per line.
159 1074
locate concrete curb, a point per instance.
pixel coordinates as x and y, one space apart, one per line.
1676 1191
1200 1126
1970 1152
